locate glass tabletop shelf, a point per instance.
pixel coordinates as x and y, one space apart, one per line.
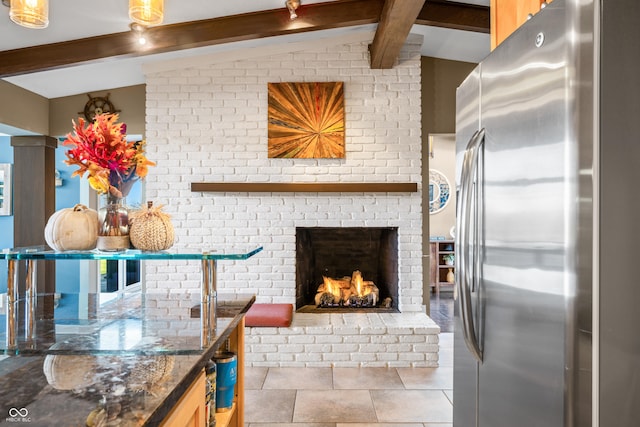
149 322
219 253
121 323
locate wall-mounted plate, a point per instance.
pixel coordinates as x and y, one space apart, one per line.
439 191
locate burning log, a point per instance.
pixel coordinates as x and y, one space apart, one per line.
351 291
330 292
326 299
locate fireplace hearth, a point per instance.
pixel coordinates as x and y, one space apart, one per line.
346 268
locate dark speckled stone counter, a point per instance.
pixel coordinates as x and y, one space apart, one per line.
133 367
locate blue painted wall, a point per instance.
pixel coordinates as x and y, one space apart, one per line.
6 222
67 196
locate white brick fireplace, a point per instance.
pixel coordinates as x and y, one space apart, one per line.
207 121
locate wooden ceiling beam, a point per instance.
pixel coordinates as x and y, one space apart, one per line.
317 16
313 17
398 16
457 16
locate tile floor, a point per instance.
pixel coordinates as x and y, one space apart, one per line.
442 310
356 397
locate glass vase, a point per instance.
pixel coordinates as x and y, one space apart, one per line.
113 219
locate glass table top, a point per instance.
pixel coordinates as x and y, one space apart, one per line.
236 252
115 323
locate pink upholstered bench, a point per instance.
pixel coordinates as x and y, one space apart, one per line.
269 315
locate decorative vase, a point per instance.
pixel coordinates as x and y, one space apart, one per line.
113 217
451 278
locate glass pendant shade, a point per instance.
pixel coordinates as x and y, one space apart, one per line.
146 12
30 13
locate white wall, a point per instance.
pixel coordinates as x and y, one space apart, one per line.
208 122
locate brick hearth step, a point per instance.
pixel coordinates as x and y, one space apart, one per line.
346 340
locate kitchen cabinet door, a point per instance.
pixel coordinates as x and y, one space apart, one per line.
508 15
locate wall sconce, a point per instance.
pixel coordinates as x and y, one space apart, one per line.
292 5
146 12
30 13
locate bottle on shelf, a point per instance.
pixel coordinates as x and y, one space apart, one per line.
227 371
210 402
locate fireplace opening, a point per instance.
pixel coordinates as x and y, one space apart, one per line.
346 269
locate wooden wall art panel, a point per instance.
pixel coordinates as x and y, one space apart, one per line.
306 120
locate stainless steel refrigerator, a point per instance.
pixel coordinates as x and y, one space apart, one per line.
548 225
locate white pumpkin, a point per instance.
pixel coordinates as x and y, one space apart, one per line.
69 372
72 229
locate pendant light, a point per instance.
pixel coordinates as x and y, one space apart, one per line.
146 12
30 13
292 5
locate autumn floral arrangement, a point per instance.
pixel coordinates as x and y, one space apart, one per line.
101 150
112 164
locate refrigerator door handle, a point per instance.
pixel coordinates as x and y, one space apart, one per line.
463 278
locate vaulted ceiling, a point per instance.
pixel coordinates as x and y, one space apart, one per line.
88 45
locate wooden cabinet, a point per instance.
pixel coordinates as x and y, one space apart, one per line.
189 411
508 15
442 264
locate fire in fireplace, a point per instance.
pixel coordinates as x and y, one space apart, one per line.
348 291
346 268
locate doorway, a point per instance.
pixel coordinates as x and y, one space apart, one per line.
442 219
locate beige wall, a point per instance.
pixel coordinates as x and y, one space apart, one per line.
440 78
24 110
38 115
129 100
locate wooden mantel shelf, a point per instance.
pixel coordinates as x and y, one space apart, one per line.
315 187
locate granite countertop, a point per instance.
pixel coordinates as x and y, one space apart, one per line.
128 383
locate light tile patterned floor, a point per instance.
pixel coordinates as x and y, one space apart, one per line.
352 397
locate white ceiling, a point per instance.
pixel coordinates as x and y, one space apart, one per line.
74 19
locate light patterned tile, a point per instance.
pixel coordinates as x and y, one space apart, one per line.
445 357
446 340
366 378
410 406
254 377
427 378
294 425
334 406
299 379
271 406
380 425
